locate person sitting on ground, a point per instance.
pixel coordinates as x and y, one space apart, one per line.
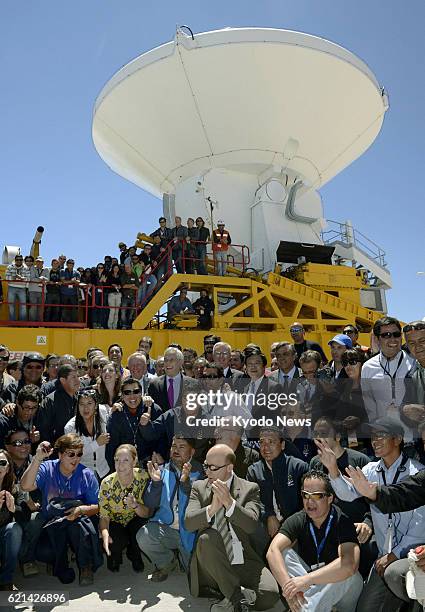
323 572
165 534
125 503
225 509
10 531
68 489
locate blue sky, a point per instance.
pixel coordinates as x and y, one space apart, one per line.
56 56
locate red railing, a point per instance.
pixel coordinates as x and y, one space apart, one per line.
90 301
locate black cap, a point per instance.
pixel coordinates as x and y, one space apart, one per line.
29 357
387 425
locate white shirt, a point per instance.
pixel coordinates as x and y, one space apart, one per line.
93 454
288 376
377 387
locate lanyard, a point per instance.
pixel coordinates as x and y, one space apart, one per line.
401 468
133 430
320 547
392 376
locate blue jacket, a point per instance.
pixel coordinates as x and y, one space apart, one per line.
170 481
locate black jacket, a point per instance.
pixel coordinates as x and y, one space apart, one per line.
54 413
403 496
158 392
284 479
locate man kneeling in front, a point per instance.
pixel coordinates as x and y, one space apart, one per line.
225 510
323 574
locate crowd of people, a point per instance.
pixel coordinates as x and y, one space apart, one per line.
109 295
193 462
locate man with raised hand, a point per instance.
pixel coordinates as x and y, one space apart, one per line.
396 533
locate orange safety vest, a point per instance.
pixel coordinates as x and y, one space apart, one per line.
220 246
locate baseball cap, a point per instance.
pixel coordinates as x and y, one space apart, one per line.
343 340
387 425
29 357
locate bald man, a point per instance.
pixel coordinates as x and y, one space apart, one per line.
225 509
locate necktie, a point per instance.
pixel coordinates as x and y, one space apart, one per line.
171 392
285 383
223 529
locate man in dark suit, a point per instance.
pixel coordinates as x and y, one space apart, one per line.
288 374
166 390
260 389
222 354
224 510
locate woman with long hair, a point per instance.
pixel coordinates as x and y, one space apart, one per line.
109 385
10 532
100 314
90 424
114 296
201 246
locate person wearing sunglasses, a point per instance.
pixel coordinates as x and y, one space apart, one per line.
10 531
395 533
297 332
383 375
225 510
413 411
324 571
124 424
63 481
18 445
352 332
24 415
32 374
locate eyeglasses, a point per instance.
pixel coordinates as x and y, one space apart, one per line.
396 334
210 376
3 462
72 454
296 329
316 495
18 443
4 358
34 367
414 327
351 362
132 392
213 468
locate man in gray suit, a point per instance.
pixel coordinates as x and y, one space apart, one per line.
225 510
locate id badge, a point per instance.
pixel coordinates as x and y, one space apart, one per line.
317 566
388 544
237 552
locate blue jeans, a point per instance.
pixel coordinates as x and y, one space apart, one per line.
200 261
11 538
147 287
18 294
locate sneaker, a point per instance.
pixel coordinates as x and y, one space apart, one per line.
86 576
29 569
249 596
225 605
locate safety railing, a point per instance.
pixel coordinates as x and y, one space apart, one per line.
346 233
109 306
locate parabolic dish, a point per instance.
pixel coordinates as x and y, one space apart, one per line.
242 98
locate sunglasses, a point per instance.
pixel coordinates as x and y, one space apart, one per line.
18 443
132 392
348 331
210 376
213 468
316 495
296 329
72 454
351 362
87 392
4 462
396 334
4 358
414 327
34 367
